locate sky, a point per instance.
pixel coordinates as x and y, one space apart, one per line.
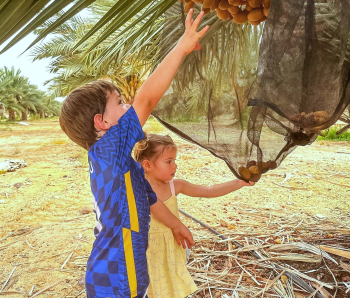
37 71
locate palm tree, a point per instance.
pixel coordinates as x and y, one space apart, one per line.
127 38
11 89
30 99
2 110
132 31
52 107
133 51
17 95
74 68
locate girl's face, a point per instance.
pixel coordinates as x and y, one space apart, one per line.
164 167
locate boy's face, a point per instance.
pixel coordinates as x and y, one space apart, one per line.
114 109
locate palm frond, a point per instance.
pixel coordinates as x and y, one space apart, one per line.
76 8
26 15
16 14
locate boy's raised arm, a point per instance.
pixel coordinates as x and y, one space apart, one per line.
159 81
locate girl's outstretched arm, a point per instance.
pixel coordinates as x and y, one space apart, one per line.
213 191
181 234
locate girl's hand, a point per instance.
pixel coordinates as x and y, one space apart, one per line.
189 40
243 183
182 234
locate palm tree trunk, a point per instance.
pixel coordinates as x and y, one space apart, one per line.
241 91
12 115
41 113
2 111
24 115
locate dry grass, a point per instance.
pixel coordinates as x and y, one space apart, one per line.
47 231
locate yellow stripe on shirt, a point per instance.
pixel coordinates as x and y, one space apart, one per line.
130 262
134 220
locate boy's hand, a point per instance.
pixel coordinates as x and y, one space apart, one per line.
189 40
243 183
182 234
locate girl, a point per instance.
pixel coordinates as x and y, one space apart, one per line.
166 260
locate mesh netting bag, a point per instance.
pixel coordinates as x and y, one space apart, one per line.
302 86
255 93
207 101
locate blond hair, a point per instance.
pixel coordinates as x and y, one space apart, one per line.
152 146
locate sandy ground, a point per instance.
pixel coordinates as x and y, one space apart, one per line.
47 220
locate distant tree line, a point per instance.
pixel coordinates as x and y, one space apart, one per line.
20 99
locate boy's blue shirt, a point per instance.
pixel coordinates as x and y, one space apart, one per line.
117 266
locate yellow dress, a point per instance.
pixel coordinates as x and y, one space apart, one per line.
169 277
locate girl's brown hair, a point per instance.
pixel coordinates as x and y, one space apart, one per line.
152 146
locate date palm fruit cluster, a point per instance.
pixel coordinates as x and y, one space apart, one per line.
129 87
311 119
240 11
252 173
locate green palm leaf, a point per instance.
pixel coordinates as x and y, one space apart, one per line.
15 14
39 19
119 6
23 16
80 5
12 11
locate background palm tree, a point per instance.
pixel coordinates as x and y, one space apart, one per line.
11 89
17 95
30 99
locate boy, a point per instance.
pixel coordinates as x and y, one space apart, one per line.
94 117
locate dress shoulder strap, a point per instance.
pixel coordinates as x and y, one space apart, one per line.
172 187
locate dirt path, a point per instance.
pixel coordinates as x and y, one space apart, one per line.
47 214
